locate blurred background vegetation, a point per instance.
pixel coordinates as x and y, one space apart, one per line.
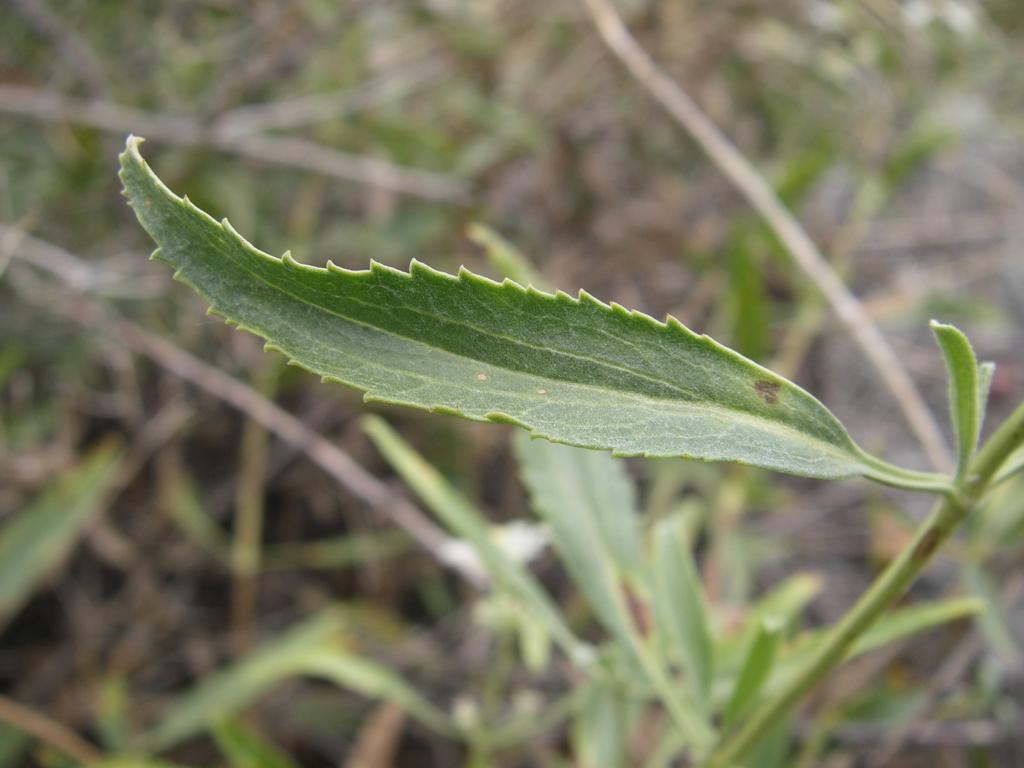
169 562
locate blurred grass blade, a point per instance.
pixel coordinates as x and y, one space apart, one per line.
313 649
755 670
588 502
785 602
337 552
965 400
37 539
464 521
503 256
573 370
224 693
1010 467
243 747
905 622
895 625
375 681
995 625
601 726
186 510
679 607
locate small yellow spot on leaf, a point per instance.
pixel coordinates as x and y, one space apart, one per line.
481 377
542 391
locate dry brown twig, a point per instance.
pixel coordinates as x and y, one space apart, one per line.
794 237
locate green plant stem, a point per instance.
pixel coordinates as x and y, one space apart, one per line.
889 586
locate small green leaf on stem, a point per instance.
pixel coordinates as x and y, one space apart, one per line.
755 670
965 394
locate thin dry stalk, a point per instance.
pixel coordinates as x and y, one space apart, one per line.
760 195
48 731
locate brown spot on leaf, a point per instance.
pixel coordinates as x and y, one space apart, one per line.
767 390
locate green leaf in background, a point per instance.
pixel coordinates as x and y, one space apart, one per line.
785 601
573 370
224 693
503 256
679 608
755 670
893 626
966 398
601 729
995 624
34 543
315 648
245 748
459 516
588 502
375 681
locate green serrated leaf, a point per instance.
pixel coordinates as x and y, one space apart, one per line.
573 370
965 400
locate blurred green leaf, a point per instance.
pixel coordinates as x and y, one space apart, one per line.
245 748
374 681
588 501
464 521
37 539
679 607
992 619
224 693
905 622
508 260
755 670
315 648
965 400
893 626
1013 465
785 602
601 728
